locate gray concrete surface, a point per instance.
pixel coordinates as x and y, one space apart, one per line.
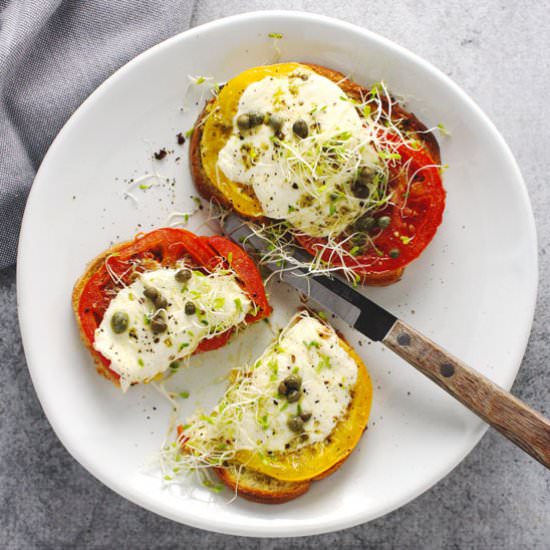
499 52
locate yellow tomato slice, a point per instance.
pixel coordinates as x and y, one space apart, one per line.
314 460
217 129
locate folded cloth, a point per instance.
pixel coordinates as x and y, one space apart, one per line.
53 54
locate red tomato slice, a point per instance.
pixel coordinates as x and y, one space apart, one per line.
164 247
416 212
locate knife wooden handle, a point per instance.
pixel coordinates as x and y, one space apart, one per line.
525 427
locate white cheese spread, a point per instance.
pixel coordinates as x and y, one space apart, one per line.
138 353
304 180
253 415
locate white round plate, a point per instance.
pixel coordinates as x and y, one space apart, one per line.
473 290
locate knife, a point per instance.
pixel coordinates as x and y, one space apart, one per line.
522 425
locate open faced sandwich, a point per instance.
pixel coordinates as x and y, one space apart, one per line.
345 170
290 418
144 305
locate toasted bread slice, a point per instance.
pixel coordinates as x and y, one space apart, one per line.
150 250
321 459
289 472
241 198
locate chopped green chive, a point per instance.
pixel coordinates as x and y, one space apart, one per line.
324 362
312 344
263 422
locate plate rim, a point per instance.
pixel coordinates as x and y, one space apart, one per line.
306 527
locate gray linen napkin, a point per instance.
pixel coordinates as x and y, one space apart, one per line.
53 54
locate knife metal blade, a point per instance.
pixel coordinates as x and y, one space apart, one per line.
331 294
522 425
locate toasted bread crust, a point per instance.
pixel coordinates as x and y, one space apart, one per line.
264 489
260 488
210 192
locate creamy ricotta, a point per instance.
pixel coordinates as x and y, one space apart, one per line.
138 354
254 416
306 181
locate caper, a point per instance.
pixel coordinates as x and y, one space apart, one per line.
161 302
394 253
293 396
158 324
243 122
360 189
364 223
360 186
255 118
275 122
359 239
305 416
152 293
119 322
300 128
383 222
190 308
283 390
296 424
293 382
183 275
